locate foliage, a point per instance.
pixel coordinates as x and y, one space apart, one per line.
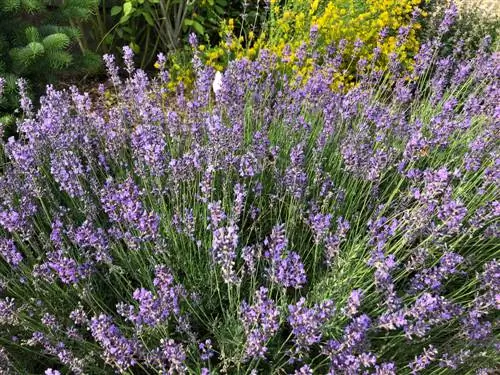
473 23
150 26
38 40
270 226
300 27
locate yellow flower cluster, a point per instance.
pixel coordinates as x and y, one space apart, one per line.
290 25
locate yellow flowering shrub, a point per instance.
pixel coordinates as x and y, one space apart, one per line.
315 25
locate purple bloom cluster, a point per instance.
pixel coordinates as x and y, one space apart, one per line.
161 227
225 241
67 171
122 204
286 268
8 311
9 252
148 146
118 350
169 358
307 323
260 321
155 309
432 278
295 178
418 319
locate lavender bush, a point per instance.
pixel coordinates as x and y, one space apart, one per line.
274 227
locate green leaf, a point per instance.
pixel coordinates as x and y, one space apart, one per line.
198 27
127 8
135 47
124 19
115 10
148 18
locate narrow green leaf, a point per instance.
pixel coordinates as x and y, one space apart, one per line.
148 18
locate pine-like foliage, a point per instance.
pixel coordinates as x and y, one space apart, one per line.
40 40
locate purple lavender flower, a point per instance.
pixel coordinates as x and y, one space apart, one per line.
169 358
452 214
286 268
148 145
78 316
307 323
276 243
449 19
117 349
8 311
128 58
155 308
2 86
224 243
423 361
313 34
248 165
385 369
304 370
354 302
193 40
355 332
93 240
9 252
185 223
435 185
66 268
260 321
217 214
433 278
289 271
475 327
332 242
251 255
122 204
240 194
50 321
112 69
58 349
320 225
295 179
24 100
427 312
206 350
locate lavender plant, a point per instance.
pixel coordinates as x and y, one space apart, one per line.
274 227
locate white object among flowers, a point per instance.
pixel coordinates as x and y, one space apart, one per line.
217 82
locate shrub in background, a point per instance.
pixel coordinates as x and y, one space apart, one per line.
41 40
297 29
474 21
151 26
271 227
